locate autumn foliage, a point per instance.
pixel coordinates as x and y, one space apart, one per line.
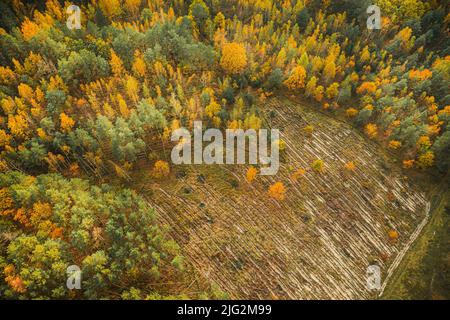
297 78
102 103
251 174
277 191
234 58
160 169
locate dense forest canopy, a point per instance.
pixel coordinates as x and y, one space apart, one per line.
90 102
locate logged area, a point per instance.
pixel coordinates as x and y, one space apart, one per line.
319 241
238 149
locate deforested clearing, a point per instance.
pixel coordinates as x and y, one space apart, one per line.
316 243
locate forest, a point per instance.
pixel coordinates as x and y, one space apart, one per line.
86 116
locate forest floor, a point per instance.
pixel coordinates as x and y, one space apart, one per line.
315 244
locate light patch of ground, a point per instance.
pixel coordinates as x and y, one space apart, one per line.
319 241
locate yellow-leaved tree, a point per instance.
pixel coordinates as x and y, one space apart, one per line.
29 29
371 130
160 169
132 6
116 64
251 174
139 67
110 8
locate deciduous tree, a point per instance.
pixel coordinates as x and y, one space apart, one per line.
277 191
234 58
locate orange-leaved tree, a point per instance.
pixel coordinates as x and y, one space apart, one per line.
251 174
234 58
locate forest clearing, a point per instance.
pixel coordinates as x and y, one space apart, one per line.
315 244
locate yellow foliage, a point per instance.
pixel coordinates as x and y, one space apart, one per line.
311 86
318 165
18 125
219 20
420 75
445 111
54 8
7 76
252 122
3 167
25 91
116 64
316 64
333 90
281 58
41 133
29 29
297 78
67 122
350 166
434 129
309 129
424 142
408 164
234 124
139 67
394 144
367 87
404 35
160 169
132 86
393 235
371 130
44 20
251 174
365 55
318 93
329 71
57 83
6 202
298 174
234 58
110 8
277 191
425 160
108 111
212 109
132 6
401 10
30 65
123 108
41 211
351 112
